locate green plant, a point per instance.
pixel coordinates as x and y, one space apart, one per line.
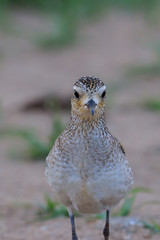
129 200
51 210
86 5
152 104
36 148
67 15
153 226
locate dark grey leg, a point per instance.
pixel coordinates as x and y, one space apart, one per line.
106 227
74 235
71 214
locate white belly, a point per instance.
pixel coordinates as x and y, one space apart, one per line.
90 192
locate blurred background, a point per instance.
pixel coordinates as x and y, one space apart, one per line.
45 46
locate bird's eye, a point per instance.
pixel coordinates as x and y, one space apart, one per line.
103 94
76 94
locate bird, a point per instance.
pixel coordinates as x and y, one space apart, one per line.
87 168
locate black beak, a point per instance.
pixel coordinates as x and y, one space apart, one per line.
91 105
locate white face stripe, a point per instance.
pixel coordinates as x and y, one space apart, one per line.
79 89
101 90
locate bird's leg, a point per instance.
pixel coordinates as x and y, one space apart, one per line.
106 227
74 235
71 214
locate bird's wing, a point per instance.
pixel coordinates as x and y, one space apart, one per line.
52 156
120 146
115 142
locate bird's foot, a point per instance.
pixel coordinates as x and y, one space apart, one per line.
74 237
106 234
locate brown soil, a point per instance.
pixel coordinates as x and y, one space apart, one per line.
105 48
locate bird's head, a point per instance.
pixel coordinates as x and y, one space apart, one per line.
89 97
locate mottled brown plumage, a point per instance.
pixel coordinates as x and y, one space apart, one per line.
87 168
89 83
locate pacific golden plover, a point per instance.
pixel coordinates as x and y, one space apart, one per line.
87 168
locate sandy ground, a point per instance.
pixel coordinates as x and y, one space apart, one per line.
105 48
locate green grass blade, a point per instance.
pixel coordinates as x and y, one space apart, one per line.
129 200
57 129
51 210
36 148
154 227
152 104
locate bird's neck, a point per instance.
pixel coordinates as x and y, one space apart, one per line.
85 121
